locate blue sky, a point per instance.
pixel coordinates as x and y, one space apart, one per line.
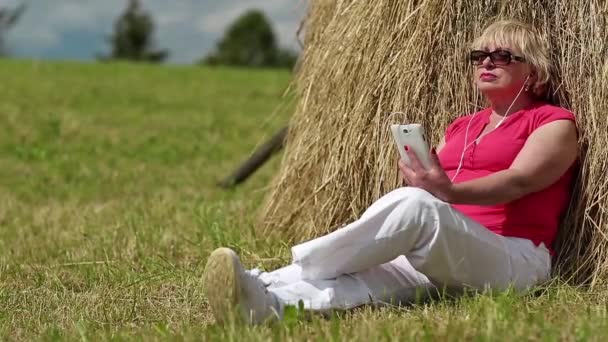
77 29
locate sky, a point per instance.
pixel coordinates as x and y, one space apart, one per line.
78 29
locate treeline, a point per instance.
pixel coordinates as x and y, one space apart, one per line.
249 41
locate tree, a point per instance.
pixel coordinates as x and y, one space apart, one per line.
133 36
8 18
250 41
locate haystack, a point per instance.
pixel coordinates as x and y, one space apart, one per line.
366 59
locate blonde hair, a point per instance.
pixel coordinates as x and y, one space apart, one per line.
530 43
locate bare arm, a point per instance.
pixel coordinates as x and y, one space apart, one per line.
547 154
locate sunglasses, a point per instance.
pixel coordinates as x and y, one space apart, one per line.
498 57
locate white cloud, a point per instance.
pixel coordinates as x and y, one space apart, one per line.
80 14
10 3
43 23
41 39
170 19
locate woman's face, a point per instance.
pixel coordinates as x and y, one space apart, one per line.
498 80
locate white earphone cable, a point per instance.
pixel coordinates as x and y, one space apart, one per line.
466 134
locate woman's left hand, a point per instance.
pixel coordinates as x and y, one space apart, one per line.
432 179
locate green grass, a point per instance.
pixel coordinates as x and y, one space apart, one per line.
108 210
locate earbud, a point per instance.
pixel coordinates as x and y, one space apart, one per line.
526 85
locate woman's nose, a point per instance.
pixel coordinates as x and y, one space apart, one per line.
487 62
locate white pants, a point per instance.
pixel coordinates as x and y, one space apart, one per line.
406 241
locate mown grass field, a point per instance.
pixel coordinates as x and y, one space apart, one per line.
108 210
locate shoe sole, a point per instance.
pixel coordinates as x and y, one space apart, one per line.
220 281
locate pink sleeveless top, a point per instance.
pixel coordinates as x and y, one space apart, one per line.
535 216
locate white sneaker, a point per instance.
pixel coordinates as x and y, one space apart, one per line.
230 288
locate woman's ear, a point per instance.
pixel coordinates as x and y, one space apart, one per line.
532 82
532 78
537 86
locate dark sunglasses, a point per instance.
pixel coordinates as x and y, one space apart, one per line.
498 57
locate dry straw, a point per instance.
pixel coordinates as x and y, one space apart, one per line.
365 59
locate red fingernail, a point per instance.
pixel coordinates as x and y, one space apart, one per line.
407 148
433 151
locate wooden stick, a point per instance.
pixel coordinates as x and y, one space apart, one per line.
256 160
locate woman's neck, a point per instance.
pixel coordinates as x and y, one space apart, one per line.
500 106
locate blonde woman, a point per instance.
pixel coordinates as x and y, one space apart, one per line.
483 215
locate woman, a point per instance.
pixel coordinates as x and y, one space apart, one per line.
483 215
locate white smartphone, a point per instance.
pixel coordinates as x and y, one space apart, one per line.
412 136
